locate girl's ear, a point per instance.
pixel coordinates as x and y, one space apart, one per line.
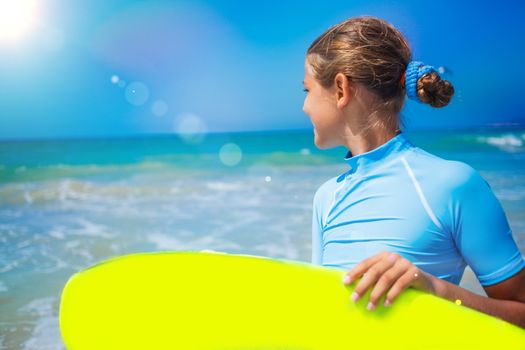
343 89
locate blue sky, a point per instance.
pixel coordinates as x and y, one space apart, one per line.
100 68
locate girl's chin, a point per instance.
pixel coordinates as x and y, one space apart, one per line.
321 143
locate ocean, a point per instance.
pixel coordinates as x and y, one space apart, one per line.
67 204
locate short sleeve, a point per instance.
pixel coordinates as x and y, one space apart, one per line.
481 231
317 231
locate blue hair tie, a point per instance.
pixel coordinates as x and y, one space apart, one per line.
415 70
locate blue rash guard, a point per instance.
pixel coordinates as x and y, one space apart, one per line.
439 214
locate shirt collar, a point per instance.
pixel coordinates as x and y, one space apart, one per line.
365 161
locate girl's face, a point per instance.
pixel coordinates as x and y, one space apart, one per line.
320 106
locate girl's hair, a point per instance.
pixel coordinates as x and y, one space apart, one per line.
370 51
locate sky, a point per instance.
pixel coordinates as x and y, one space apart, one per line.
90 68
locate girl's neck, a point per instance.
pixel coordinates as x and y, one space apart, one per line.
365 142
358 136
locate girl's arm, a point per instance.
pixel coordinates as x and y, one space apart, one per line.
389 274
505 300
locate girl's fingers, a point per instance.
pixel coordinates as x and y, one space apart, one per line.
385 272
362 267
373 274
409 278
386 281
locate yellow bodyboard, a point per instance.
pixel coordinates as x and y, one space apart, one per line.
196 300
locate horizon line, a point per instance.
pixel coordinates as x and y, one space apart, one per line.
494 126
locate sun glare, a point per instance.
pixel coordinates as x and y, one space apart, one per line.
16 18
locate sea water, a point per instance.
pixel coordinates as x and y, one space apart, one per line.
67 204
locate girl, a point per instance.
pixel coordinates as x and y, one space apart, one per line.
400 217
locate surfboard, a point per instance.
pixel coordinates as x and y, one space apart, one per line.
203 300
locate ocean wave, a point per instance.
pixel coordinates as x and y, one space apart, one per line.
71 190
225 186
10 265
46 331
23 173
278 250
34 193
3 287
516 194
507 142
91 229
171 242
79 193
39 307
49 247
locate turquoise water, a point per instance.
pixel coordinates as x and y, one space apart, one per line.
66 204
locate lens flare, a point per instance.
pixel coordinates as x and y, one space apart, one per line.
190 128
137 93
230 154
16 18
159 108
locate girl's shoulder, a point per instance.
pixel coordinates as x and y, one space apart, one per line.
327 187
449 173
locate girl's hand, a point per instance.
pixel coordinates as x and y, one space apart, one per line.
387 273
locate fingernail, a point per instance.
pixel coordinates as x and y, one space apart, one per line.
387 303
370 306
355 296
346 279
